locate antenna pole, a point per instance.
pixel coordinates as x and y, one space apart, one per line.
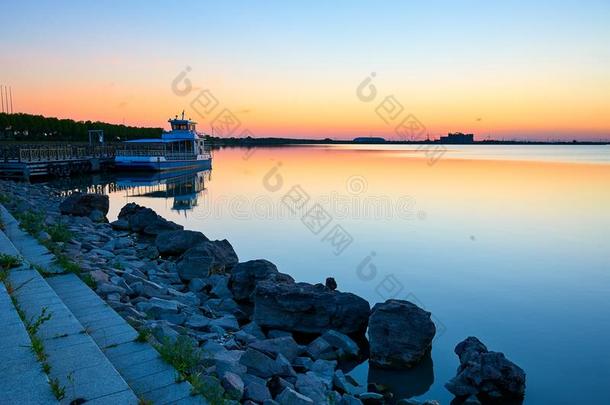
11 94
2 97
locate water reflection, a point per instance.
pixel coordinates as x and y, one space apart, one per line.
408 383
183 188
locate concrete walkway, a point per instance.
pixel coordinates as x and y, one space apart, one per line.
23 382
76 361
27 245
91 349
139 363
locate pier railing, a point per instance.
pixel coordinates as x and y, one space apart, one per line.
54 153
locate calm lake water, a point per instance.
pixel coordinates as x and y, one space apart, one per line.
507 243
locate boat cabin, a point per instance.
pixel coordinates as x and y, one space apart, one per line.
182 142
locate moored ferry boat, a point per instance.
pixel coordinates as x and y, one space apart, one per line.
179 149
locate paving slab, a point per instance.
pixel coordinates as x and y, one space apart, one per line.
76 361
138 363
27 245
23 381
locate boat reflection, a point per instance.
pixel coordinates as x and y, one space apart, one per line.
183 187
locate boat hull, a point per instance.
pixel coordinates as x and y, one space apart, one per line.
153 164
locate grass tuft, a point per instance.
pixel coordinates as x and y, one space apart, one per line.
143 335
31 221
58 390
59 232
181 354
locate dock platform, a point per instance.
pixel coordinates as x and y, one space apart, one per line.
26 161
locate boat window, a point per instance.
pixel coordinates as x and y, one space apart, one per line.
180 127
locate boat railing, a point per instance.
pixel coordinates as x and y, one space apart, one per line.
140 152
159 152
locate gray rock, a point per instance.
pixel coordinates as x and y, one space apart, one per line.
197 285
291 397
187 298
320 348
107 288
226 322
97 216
259 364
284 345
330 283
44 236
276 333
341 341
400 334
347 399
205 259
245 277
199 322
145 220
277 385
284 368
149 289
82 205
175 243
120 225
371 398
228 361
342 384
485 374
244 338
157 307
219 286
302 364
253 329
162 331
233 385
325 371
306 308
310 385
256 391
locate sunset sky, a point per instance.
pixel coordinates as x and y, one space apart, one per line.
509 70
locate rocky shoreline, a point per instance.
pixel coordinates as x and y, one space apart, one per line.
244 331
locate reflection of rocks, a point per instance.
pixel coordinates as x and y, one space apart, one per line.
400 334
485 375
408 383
307 308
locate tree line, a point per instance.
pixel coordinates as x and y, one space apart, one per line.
28 128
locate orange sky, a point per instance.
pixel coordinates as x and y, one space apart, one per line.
543 75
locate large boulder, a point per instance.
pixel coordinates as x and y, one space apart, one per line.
145 220
400 334
205 259
245 276
485 374
307 308
175 243
82 205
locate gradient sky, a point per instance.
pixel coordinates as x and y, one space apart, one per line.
505 70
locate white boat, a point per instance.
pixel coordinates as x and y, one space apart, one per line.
179 149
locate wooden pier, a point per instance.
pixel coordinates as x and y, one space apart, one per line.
54 160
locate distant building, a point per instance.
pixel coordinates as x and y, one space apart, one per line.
369 139
457 137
